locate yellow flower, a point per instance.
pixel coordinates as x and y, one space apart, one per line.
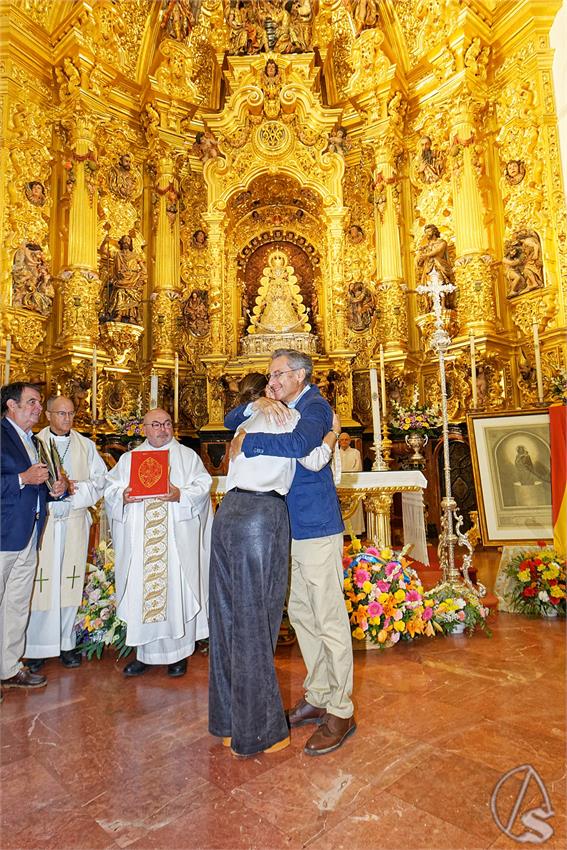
383 597
111 589
355 544
358 634
524 575
347 584
400 595
382 636
367 586
386 553
556 591
399 625
348 604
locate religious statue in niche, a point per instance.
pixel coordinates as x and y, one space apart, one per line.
429 164
271 83
364 14
514 172
360 307
523 264
338 142
124 283
179 18
356 234
236 19
196 313
206 146
124 181
279 303
35 193
31 280
433 254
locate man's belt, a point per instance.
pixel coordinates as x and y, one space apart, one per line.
258 492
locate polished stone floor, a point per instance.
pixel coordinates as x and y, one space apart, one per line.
98 761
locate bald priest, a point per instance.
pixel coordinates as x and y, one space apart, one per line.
162 547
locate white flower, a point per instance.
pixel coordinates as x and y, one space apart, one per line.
543 595
94 596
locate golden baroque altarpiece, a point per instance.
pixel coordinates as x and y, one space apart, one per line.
222 179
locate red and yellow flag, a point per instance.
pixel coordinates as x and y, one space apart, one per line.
558 444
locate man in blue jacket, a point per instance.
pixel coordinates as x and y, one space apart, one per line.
24 494
316 604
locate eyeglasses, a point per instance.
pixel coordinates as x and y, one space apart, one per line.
277 375
65 413
157 425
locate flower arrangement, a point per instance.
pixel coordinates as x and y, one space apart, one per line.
130 426
384 597
456 608
415 417
537 582
97 624
558 385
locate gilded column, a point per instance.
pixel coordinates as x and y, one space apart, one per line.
389 267
81 283
166 284
336 304
215 361
474 273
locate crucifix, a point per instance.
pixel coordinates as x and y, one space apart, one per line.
73 577
41 579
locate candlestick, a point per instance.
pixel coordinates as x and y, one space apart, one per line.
537 353
375 405
383 381
8 358
154 386
93 388
176 390
473 372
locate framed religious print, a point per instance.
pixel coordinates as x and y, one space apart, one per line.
512 475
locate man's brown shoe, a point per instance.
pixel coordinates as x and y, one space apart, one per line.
304 713
25 679
330 735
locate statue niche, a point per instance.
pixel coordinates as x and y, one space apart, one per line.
279 317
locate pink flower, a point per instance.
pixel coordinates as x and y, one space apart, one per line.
363 623
394 637
361 576
391 568
375 609
412 596
382 585
372 551
398 615
460 615
427 614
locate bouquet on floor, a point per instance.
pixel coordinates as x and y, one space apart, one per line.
536 584
457 608
97 624
384 596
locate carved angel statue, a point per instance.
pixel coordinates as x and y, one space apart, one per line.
338 142
206 146
364 14
523 264
151 121
476 58
31 280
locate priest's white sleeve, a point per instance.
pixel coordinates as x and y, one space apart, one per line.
87 493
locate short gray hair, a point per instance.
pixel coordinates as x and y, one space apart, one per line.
296 359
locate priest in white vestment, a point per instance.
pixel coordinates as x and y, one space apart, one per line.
162 548
58 586
352 462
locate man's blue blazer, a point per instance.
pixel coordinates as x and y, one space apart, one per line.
19 504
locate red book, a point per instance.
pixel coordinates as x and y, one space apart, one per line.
149 474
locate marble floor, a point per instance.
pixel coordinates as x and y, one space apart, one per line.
99 761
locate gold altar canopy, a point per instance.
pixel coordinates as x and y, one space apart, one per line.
214 179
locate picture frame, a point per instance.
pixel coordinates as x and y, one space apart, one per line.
511 461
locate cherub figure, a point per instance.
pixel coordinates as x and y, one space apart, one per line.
338 142
206 146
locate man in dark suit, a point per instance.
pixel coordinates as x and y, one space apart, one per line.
316 606
24 494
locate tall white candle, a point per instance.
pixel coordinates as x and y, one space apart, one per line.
8 358
176 390
154 385
473 371
93 388
375 407
537 352
383 381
